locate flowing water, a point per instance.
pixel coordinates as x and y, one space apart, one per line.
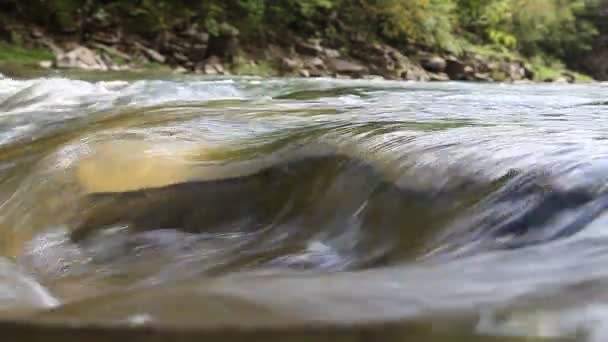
413 211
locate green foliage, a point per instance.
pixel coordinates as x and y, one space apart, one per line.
555 27
61 14
426 22
259 68
558 28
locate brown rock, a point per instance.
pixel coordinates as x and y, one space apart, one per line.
312 47
153 55
194 33
516 71
80 58
304 73
345 67
441 76
106 38
36 32
197 52
45 64
343 77
456 69
316 73
180 57
331 53
482 77
314 62
291 64
529 72
373 77
415 73
180 70
111 51
214 66
224 45
434 64
209 70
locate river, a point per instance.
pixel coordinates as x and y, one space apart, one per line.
302 208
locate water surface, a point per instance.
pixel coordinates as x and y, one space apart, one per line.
476 209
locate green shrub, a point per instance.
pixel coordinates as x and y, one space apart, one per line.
559 28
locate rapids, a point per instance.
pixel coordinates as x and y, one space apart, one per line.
305 207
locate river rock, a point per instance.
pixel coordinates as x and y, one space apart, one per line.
291 63
529 71
373 77
383 60
331 53
441 76
46 64
180 57
36 32
456 69
213 66
482 77
314 63
193 32
197 52
434 64
517 71
106 38
112 51
180 70
311 47
153 55
80 58
345 67
415 73
225 44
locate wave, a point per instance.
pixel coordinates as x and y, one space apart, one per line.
360 200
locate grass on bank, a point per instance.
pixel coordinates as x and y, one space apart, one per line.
545 68
551 69
249 67
17 55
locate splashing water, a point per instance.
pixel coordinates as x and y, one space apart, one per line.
201 203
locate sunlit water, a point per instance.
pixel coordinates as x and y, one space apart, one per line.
386 202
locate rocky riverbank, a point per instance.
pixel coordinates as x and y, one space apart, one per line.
190 49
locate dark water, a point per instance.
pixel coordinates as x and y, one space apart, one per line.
447 211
